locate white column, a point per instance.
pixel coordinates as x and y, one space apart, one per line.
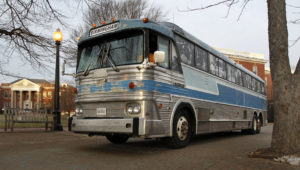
38 99
15 99
29 98
21 99
11 99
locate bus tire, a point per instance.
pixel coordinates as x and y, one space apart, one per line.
182 129
253 129
258 125
117 138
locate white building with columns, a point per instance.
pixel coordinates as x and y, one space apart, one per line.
27 94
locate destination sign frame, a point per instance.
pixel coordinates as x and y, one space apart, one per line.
103 29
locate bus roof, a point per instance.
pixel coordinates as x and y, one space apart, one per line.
166 28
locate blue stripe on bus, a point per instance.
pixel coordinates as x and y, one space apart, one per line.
226 95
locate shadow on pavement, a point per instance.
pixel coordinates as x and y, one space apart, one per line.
146 146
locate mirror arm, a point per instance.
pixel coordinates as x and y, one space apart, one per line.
67 74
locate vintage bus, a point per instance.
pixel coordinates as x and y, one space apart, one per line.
139 78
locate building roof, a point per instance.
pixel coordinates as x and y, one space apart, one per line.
37 81
249 56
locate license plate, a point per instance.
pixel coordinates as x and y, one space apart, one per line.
101 111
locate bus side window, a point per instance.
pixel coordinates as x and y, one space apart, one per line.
222 69
213 64
239 79
263 91
163 45
174 59
201 59
231 73
186 50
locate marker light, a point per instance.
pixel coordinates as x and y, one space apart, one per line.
145 20
160 106
75 90
94 25
103 22
112 19
131 85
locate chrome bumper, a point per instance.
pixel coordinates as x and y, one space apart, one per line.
132 126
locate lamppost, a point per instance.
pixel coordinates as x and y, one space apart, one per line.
56 113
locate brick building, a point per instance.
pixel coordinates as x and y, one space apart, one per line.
252 61
269 84
32 94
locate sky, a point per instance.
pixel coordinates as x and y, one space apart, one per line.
247 34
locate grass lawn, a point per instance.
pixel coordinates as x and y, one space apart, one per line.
64 122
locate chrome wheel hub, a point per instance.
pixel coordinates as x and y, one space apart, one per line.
182 128
255 125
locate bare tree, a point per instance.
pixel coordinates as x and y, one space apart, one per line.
67 99
286 86
23 26
105 10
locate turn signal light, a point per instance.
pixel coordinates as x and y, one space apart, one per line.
112 19
160 106
145 20
75 90
103 22
131 85
94 25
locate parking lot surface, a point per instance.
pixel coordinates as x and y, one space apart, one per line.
36 149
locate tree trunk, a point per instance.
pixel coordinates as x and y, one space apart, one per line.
286 86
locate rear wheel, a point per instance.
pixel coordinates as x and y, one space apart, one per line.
258 125
182 129
254 128
117 138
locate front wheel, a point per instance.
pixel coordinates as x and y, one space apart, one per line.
182 130
117 138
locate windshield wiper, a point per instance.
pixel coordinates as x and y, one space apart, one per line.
87 70
106 57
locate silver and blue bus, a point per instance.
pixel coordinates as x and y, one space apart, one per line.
139 78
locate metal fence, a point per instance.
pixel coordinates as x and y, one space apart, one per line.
13 116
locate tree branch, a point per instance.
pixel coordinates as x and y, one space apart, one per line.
209 6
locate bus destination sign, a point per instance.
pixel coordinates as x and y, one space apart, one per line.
104 29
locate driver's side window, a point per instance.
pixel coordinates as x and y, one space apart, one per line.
159 43
163 45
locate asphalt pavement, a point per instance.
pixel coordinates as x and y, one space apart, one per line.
36 149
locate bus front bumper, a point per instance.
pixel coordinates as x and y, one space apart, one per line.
132 126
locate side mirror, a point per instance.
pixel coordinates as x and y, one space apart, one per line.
63 71
64 68
159 56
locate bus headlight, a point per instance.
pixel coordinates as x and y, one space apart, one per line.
78 111
134 108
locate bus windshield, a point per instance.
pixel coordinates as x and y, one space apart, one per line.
112 52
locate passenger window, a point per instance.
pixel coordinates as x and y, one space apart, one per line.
222 69
258 87
253 84
239 79
201 59
248 81
174 59
186 50
263 90
231 75
213 65
163 45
